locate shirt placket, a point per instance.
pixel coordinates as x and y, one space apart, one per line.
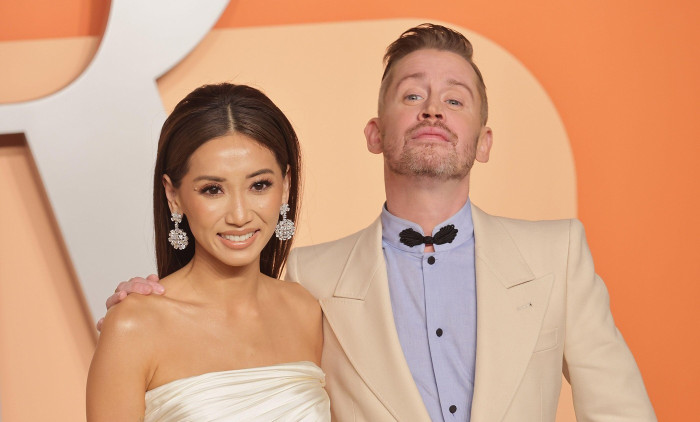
438 334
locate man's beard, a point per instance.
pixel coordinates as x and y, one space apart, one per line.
432 160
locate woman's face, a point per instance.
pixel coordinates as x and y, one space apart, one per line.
231 196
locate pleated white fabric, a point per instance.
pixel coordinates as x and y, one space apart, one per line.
284 392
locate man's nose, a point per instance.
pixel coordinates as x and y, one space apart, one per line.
432 110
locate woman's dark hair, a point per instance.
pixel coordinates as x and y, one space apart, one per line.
206 113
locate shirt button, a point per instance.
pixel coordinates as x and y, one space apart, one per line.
439 334
453 408
431 260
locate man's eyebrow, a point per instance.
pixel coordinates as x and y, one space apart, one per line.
455 82
417 75
451 81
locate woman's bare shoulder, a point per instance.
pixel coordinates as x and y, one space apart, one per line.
297 294
306 314
301 306
136 314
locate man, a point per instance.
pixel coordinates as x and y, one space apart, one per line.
478 319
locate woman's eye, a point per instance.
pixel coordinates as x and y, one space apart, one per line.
261 185
413 97
454 102
211 190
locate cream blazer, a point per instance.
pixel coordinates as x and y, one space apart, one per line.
541 310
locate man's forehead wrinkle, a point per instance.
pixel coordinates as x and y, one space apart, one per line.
416 75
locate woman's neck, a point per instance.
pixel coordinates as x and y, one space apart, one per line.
208 280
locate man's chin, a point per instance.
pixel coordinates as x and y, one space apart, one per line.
440 175
428 170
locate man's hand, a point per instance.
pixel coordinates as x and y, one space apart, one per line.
142 286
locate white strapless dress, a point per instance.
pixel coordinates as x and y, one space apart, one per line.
284 392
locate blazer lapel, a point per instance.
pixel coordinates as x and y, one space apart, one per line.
360 316
511 303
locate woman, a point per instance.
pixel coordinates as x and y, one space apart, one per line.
228 341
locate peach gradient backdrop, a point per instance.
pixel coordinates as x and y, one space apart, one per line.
621 75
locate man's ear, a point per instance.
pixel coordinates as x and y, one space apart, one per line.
171 194
483 145
374 136
285 189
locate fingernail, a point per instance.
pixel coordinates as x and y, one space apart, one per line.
159 289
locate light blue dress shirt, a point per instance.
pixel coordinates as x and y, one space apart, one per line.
433 299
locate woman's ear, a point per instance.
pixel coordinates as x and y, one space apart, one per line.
172 194
286 183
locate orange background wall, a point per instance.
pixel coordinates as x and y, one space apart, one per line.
623 77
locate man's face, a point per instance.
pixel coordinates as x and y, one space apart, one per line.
429 121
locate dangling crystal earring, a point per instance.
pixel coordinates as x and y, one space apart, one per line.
178 238
285 229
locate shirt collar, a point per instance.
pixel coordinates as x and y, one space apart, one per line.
393 225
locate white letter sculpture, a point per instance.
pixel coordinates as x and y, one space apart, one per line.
94 142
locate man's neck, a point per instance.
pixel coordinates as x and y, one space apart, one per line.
424 201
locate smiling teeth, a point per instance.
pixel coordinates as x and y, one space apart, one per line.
234 238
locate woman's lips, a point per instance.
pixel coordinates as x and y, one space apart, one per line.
238 241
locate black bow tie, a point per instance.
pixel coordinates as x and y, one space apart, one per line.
446 234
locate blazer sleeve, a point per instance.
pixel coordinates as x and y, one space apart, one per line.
604 377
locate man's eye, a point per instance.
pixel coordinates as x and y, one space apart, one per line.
413 97
454 102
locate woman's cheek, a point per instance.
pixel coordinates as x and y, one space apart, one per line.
268 206
203 212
